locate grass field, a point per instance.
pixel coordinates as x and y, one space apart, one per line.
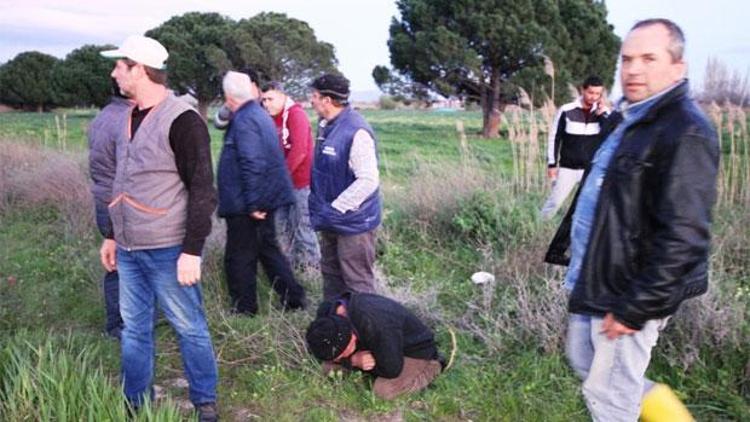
451 209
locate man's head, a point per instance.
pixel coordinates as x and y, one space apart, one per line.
330 94
652 58
592 89
273 97
238 89
331 338
141 64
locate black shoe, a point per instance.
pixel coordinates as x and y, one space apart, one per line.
245 313
131 411
295 305
115 333
207 412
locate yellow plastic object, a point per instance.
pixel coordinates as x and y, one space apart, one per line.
661 404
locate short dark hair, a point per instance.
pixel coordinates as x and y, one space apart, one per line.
272 86
252 74
677 37
592 80
157 76
328 336
336 87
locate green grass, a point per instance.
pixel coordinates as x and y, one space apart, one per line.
56 365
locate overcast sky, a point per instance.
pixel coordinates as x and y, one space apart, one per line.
358 29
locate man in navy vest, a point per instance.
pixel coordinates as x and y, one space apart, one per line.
344 190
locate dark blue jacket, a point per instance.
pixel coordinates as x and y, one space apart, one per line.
331 175
252 173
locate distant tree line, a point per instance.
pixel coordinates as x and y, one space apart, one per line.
723 86
202 47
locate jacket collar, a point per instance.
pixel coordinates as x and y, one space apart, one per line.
672 95
246 104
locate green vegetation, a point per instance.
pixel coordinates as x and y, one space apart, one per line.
452 208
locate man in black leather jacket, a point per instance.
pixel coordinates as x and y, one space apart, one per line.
639 234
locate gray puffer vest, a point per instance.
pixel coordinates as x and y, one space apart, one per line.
149 200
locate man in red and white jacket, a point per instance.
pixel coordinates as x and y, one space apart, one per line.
294 231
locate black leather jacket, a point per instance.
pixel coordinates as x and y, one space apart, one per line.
649 244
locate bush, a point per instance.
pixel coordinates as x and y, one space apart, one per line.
386 102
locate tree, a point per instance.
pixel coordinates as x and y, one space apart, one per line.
83 78
26 81
197 60
398 87
281 48
481 50
722 85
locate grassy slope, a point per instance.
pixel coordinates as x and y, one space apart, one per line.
55 304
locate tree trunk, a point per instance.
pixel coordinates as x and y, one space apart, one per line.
40 108
491 107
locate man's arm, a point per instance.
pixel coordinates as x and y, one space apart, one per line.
554 139
300 135
388 352
363 162
190 143
679 240
251 163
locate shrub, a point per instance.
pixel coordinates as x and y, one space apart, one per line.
386 102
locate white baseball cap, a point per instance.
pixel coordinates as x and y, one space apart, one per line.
140 49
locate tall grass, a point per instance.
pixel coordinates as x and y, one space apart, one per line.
62 381
734 172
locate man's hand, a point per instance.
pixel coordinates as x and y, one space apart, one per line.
108 255
188 269
552 173
258 215
613 329
601 105
363 360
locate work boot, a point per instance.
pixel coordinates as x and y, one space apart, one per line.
207 412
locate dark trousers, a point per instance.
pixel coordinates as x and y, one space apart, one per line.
250 240
111 288
347 263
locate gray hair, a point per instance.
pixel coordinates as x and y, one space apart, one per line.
676 46
237 85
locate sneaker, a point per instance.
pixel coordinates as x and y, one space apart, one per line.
207 412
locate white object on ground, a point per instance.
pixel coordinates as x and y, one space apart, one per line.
482 277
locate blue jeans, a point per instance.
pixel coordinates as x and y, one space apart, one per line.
294 232
148 276
612 370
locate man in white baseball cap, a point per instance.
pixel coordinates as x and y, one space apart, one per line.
160 212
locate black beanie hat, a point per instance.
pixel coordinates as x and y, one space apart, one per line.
334 86
328 336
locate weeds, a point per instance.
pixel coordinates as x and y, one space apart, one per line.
454 205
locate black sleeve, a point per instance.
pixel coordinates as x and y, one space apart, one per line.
559 139
190 142
384 334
